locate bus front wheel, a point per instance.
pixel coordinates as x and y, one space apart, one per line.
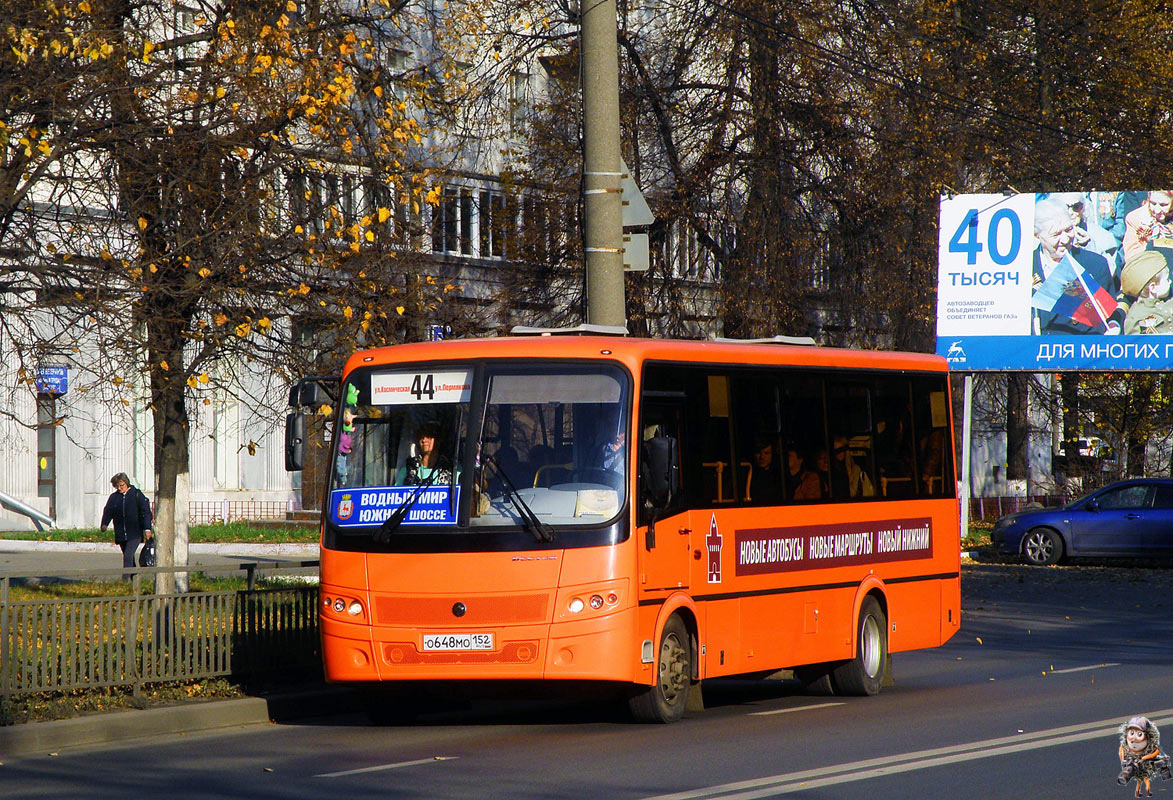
863 674
665 700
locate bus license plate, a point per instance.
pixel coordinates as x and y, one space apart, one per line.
458 641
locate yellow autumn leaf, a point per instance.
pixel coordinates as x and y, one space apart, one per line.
399 310
220 319
192 383
204 377
205 272
384 215
242 329
163 365
348 312
264 323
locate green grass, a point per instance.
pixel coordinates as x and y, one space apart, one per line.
247 532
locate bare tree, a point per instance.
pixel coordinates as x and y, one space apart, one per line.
251 174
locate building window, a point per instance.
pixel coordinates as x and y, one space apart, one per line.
444 222
519 108
496 218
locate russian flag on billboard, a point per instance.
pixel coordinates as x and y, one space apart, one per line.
1071 292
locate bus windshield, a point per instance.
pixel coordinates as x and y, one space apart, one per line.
539 446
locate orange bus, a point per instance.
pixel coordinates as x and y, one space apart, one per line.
643 511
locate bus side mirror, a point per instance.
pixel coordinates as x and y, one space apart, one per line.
294 442
312 392
311 395
660 470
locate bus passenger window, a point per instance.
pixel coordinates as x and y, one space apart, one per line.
850 421
930 424
718 468
804 426
894 440
757 427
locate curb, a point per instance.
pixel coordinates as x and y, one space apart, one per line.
46 738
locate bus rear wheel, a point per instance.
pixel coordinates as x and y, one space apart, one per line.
665 700
864 673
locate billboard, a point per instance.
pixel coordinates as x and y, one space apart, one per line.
1060 281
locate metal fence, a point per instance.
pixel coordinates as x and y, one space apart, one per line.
61 643
203 512
989 509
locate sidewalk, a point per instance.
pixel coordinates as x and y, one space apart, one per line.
264 550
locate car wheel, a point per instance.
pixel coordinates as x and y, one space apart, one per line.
1042 547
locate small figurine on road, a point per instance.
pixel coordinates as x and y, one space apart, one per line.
1140 755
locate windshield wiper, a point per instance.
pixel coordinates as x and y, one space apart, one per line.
541 531
396 517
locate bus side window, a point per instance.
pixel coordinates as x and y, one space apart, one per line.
895 449
659 420
757 428
930 424
719 469
852 454
805 457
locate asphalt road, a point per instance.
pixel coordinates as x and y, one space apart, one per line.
1023 703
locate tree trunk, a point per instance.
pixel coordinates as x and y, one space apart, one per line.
172 458
1017 427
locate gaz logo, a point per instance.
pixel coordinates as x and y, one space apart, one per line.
346 507
713 544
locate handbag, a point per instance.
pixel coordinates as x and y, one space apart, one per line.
146 556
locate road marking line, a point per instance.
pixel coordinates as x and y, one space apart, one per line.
1081 669
382 767
788 710
774 785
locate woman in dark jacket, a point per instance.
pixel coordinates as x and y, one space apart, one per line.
130 511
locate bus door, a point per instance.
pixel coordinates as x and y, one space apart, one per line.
663 532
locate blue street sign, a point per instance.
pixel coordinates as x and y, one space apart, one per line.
53 380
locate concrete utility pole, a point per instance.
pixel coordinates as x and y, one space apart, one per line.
602 206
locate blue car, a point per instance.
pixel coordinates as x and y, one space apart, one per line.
1129 518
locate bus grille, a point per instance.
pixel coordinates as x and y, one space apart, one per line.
490 610
510 653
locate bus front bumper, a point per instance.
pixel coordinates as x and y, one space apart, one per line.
602 648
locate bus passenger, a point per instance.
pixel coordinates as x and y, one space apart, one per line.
848 479
802 482
427 465
765 488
